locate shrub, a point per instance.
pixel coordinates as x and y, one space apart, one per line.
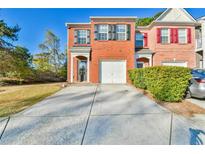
166 83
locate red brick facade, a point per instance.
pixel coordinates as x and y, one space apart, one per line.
104 50
126 49
111 50
171 51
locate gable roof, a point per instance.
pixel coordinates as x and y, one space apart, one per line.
175 15
172 16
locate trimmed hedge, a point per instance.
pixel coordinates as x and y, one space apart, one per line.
166 83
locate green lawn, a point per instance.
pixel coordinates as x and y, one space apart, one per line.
14 99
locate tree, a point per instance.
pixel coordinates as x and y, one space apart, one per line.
15 63
23 61
51 48
63 69
146 21
6 62
23 54
50 63
41 62
7 35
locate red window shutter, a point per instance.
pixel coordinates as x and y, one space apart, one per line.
172 35
189 35
158 35
145 39
176 35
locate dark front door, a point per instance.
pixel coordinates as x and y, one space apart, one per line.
82 70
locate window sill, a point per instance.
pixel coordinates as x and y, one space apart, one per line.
174 43
81 45
112 40
166 43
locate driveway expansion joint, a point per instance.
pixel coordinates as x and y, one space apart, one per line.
124 114
89 114
5 127
170 132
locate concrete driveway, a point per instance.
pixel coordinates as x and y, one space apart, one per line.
99 114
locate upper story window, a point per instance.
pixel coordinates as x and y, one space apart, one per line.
182 35
82 37
121 32
174 35
111 32
165 35
139 40
102 32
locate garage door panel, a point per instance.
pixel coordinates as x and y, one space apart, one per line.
119 76
106 72
182 64
113 72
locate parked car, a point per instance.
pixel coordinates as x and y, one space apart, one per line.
197 84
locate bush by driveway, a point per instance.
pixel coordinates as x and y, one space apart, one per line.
166 83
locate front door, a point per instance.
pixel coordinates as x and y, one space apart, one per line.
82 70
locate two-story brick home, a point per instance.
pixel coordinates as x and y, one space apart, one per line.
103 50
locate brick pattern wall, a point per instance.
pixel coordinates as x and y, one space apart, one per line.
111 49
171 51
70 42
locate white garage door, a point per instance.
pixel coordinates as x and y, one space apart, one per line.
182 64
113 72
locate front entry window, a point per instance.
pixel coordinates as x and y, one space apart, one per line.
140 64
82 70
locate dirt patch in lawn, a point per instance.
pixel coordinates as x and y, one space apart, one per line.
185 108
2 91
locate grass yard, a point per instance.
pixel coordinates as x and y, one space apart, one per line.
14 99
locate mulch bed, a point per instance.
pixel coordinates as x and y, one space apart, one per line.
184 108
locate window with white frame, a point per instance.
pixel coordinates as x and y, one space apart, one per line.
165 35
139 40
121 32
102 32
82 36
182 35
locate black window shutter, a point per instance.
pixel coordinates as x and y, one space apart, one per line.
128 32
109 28
96 32
75 36
88 37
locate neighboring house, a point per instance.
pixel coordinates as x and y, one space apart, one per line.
200 46
103 50
169 40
